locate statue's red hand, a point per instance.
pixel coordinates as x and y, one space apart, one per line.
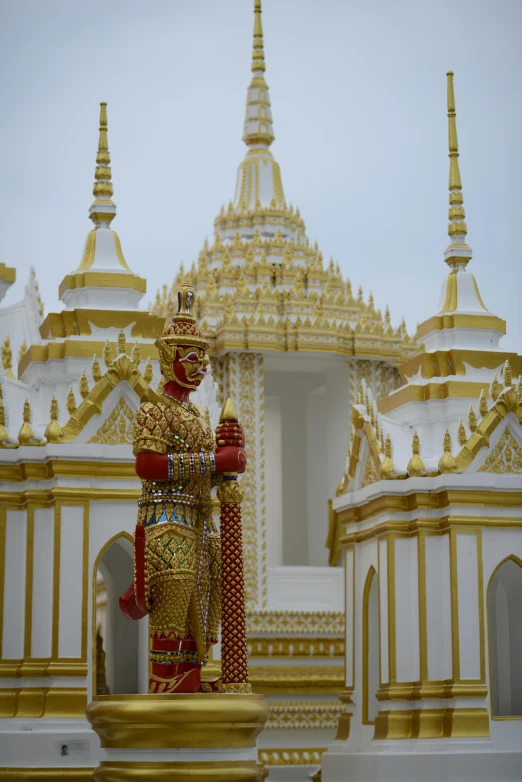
230 459
230 433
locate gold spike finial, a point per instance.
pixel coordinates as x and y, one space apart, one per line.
148 372
103 209
483 404
54 432
71 402
7 358
462 433
95 369
458 253
258 120
258 54
84 386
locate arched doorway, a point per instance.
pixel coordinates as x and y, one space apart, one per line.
117 641
370 652
504 598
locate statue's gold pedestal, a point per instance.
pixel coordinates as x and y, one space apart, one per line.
200 737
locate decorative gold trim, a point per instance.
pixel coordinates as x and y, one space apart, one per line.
36 702
443 363
7 273
199 771
392 641
38 668
102 280
294 680
294 646
79 322
460 321
458 389
164 721
56 578
48 774
66 468
304 715
296 622
403 724
3 514
291 757
434 500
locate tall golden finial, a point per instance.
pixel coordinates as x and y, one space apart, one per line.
108 355
458 253
415 465
495 389
103 209
258 119
258 52
462 431
122 342
7 358
447 462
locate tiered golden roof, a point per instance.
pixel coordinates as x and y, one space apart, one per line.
262 285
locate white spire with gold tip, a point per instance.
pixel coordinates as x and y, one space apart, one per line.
463 320
258 185
103 278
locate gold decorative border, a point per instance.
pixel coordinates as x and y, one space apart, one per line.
295 646
294 680
304 714
69 468
291 757
295 622
49 774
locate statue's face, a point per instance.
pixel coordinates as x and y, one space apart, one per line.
190 366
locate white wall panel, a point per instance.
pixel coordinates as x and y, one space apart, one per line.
14 584
469 627
438 607
71 580
41 636
407 609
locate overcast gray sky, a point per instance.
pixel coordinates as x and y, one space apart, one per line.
358 92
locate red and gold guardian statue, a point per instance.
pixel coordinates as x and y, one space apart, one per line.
177 549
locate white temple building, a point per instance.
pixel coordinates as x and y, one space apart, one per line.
424 541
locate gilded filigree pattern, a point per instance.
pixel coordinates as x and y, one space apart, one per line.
506 456
370 473
118 427
304 714
247 408
328 623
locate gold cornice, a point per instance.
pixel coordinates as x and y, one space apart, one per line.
48 497
459 389
102 280
69 468
460 321
295 680
434 500
442 363
78 322
295 646
69 348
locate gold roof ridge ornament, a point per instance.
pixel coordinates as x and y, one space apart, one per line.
458 253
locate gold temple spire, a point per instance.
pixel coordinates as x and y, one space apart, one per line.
258 117
458 253
103 209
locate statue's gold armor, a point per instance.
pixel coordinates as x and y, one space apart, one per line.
182 549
